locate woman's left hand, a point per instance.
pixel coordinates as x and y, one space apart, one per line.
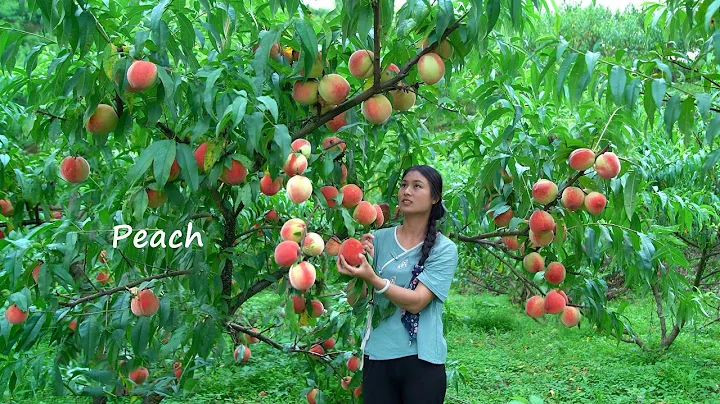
364 271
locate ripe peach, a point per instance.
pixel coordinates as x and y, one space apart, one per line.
595 203
103 120
581 159
293 229
311 396
333 88
317 308
317 350
503 219
270 187
200 156
7 207
570 316
329 192
242 353
572 198
343 173
353 363
142 75
544 191
358 391
404 99
361 64
534 307
350 249
272 215
365 213
541 239
174 171
565 296
431 68
102 278
249 338
295 164
345 382
329 343
332 247
511 242
337 122
301 146
541 221
235 174
36 272
74 169
352 195
379 218
139 375
333 144
177 369
144 303
386 211
286 253
298 304
444 48
534 262
391 71
156 198
302 276
316 69
72 325
299 188
607 165
2 234
305 93
313 245
554 302
555 273
377 109
15 316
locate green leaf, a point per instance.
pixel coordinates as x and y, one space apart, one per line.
188 165
516 13
89 331
563 72
617 83
211 91
630 192
164 158
648 102
142 164
712 129
710 162
308 42
140 335
253 125
445 17
658 92
686 121
672 113
271 105
493 12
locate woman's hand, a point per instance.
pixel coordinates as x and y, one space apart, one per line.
367 242
364 271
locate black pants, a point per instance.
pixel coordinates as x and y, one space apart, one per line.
403 381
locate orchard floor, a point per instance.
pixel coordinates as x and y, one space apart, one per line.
504 355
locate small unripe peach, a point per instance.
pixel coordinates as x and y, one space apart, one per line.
350 249
270 187
174 171
317 350
235 174
377 109
103 120
572 198
534 262
36 272
365 213
352 195
431 68
295 164
329 192
145 303
570 316
302 276
72 325
581 159
305 93
286 253
541 221
301 146
317 308
311 396
544 191
345 382
361 64
554 302
595 203
534 307
293 230
74 169
607 165
272 215
555 273
333 88
299 188
15 316
313 245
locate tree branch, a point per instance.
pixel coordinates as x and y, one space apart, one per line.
661 315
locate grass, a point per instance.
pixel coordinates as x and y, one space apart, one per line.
503 354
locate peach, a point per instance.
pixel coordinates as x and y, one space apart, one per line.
351 195
506 177
333 144
358 391
554 302
316 69
235 174
332 247
200 156
379 217
572 198
607 165
534 262
103 120
174 171
544 191
295 164
74 169
337 122
299 188
333 88
144 303
361 64
156 198
15 316
555 273
7 207
595 203
386 211
36 272
312 396
286 253
511 242
242 353
541 221
142 75
102 278
329 343
317 308
316 350
298 304
570 316
72 325
541 239
272 215
503 219
390 72
293 230
365 213
565 296
343 173
353 297
270 187
444 49
581 159
302 276
345 382
534 307
350 249
301 146
2 234
139 375
249 339
403 99
329 192
353 363
177 369
431 68
377 109
313 245
305 93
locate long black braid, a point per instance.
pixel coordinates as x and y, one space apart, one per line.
437 212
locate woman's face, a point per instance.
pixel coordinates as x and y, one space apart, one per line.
414 194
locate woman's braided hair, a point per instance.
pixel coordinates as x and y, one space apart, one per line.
437 212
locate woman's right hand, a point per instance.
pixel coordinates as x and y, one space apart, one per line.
367 242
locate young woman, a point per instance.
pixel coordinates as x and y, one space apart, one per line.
404 356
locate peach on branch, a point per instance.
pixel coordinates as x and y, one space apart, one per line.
345 382
305 93
444 48
103 120
379 217
350 249
72 325
570 316
74 169
333 88
541 221
555 273
352 195
544 191
199 154
301 146
144 303
511 242
581 159
329 343
337 122
295 164
572 198
541 239
403 99
250 339
142 75
316 351
270 187
302 276
535 306
332 143
242 353
431 68
329 192
595 203
554 302
353 364
506 177
607 165
503 219
36 272
14 315
364 213
386 210
298 304
299 188
311 396
534 262
361 64
293 229
286 253
156 198
7 207
391 71
174 171
139 375
235 174
316 69
377 109
272 215
332 247
102 278
313 245
316 307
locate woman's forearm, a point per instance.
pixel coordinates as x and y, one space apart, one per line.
402 297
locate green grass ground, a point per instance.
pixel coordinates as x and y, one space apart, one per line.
503 355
